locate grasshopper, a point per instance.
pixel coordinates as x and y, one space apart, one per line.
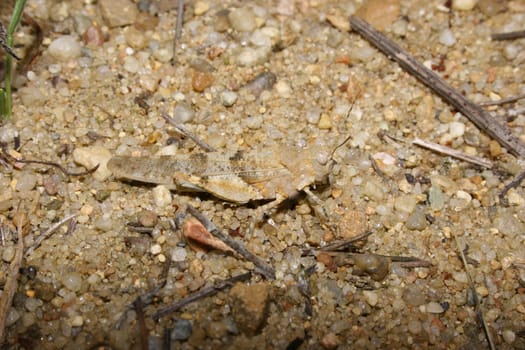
274 174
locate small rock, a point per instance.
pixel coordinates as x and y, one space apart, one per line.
242 20
89 157
200 81
155 249
492 7
249 305
330 341
131 64
148 218
456 129
339 21
93 36
249 56
460 276
228 98
161 196
414 326
72 281
181 330
135 38
413 295
77 321
436 198
380 13
283 89
463 5
8 133
417 221
179 254
8 254
406 203
26 182
371 297
509 336
434 308
263 81
183 113
64 48
117 13
201 7
494 148
447 37
324 122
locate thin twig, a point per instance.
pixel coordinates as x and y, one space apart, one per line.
11 283
264 268
204 292
481 118
178 29
48 233
514 183
508 35
453 153
478 308
143 329
503 101
182 129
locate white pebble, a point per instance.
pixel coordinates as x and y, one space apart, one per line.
283 89
65 48
183 113
259 38
179 254
464 195
447 38
463 5
89 157
26 182
72 281
509 336
511 51
155 249
242 20
371 297
228 98
161 196
77 321
8 254
434 308
201 7
131 64
457 129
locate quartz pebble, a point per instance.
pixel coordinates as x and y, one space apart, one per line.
26 182
89 157
434 308
447 38
117 13
249 305
242 20
463 5
179 254
8 253
72 281
181 330
64 48
161 196
183 113
228 98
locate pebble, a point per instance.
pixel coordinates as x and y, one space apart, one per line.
413 295
8 133
263 81
509 336
77 321
436 198
181 330
148 218
380 13
201 7
155 249
249 305
463 5
89 157
492 7
447 37
8 253
249 56
118 13
200 81
183 113
456 129
72 281
371 297
375 266
93 36
283 89
228 98
161 196
131 64
65 48
414 326
179 254
330 341
406 203
325 122
434 308
242 20
26 182
417 221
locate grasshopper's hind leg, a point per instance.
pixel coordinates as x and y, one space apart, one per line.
262 213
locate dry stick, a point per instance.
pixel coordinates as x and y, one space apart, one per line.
482 119
264 268
503 101
514 183
453 153
143 329
478 309
204 292
12 282
178 28
182 129
48 233
508 35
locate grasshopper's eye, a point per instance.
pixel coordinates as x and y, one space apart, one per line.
323 157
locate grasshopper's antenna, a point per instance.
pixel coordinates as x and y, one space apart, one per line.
349 136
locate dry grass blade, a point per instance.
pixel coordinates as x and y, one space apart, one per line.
48 233
453 153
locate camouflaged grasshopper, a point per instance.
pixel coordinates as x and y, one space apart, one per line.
274 174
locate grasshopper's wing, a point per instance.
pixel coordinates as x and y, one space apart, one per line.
143 169
228 187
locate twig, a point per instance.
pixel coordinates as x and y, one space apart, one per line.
48 233
508 35
453 153
11 283
482 119
182 129
264 267
178 29
143 330
514 183
503 100
204 292
478 309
